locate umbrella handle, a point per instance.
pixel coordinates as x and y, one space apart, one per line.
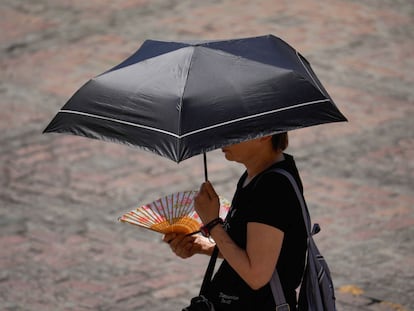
205 166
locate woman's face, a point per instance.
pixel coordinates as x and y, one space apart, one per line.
243 151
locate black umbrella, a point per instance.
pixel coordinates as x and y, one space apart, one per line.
180 99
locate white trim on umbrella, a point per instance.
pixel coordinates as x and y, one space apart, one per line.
255 116
198 130
118 121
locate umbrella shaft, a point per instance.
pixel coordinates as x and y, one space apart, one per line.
205 166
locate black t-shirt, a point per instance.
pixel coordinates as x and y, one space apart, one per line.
269 199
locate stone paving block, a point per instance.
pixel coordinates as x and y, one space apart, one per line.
68 66
16 25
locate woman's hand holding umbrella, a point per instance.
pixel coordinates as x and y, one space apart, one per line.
207 203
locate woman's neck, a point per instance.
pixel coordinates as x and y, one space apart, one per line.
254 168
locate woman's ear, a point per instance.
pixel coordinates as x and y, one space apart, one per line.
265 138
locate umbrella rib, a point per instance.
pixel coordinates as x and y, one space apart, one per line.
307 70
198 130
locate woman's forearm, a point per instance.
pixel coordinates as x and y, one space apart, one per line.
256 263
234 255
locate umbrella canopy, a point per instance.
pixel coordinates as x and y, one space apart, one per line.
180 99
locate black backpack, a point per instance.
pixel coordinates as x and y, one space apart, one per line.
316 290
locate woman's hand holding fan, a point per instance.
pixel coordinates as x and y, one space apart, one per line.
173 213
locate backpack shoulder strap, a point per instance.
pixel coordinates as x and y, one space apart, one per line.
275 284
305 212
209 272
277 291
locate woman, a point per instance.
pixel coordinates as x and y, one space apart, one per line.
264 229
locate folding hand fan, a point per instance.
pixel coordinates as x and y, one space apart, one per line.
172 213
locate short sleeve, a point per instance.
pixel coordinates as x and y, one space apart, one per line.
273 202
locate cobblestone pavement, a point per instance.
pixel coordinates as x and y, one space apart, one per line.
61 247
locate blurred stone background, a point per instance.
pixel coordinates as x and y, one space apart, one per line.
61 247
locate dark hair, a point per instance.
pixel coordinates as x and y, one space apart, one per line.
280 141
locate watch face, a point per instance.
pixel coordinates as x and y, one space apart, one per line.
205 232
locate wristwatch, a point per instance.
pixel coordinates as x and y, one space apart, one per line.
206 229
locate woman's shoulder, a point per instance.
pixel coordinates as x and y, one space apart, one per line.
273 172
276 173
270 179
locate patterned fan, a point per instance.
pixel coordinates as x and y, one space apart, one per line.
172 213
